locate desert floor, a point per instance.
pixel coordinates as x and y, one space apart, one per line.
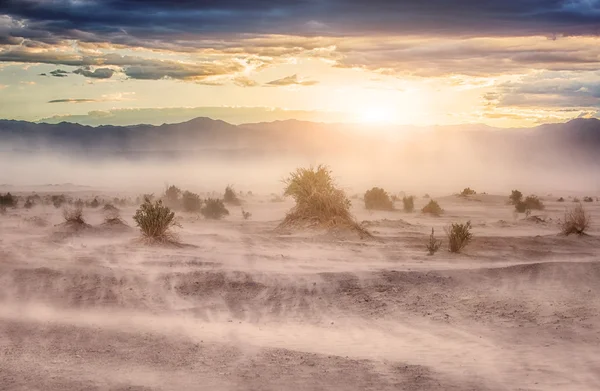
242 306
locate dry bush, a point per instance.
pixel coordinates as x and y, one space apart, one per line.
95 203
230 197
214 209
576 221
588 199
378 199
156 222
459 235
433 245
408 204
319 203
515 197
73 215
8 200
58 200
467 192
530 203
246 215
432 208
191 202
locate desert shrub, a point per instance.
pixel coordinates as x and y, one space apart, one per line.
377 198
432 208
8 200
95 203
467 192
58 200
561 199
576 221
73 215
588 199
319 202
246 215
230 197
29 203
515 197
433 245
214 209
408 204
459 235
156 221
191 202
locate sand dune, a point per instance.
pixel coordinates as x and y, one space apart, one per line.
242 306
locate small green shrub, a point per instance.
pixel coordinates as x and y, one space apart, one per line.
191 202
432 208
156 221
214 209
378 199
515 197
408 204
433 245
459 235
230 197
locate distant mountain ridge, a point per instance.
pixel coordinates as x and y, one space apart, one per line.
577 139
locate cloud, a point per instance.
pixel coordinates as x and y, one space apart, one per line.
292 81
72 101
98 73
243 81
59 73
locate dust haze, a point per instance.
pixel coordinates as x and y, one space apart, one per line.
242 305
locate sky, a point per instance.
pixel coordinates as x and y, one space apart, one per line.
509 63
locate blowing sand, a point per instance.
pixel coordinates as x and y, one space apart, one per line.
243 306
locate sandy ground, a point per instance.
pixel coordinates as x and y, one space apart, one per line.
244 307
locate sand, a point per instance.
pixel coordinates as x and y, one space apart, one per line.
243 306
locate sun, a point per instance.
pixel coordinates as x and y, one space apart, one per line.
377 115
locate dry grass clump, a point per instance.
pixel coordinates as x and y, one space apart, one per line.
459 235
378 199
319 203
433 245
214 209
191 202
467 192
156 222
73 215
408 204
230 197
432 208
576 221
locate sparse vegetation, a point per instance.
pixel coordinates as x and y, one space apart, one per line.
433 245
515 197
246 215
319 202
432 208
530 203
230 197
588 199
408 204
214 209
8 200
378 199
467 192
191 202
73 215
459 235
576 221
156 222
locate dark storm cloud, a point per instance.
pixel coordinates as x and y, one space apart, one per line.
152 20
